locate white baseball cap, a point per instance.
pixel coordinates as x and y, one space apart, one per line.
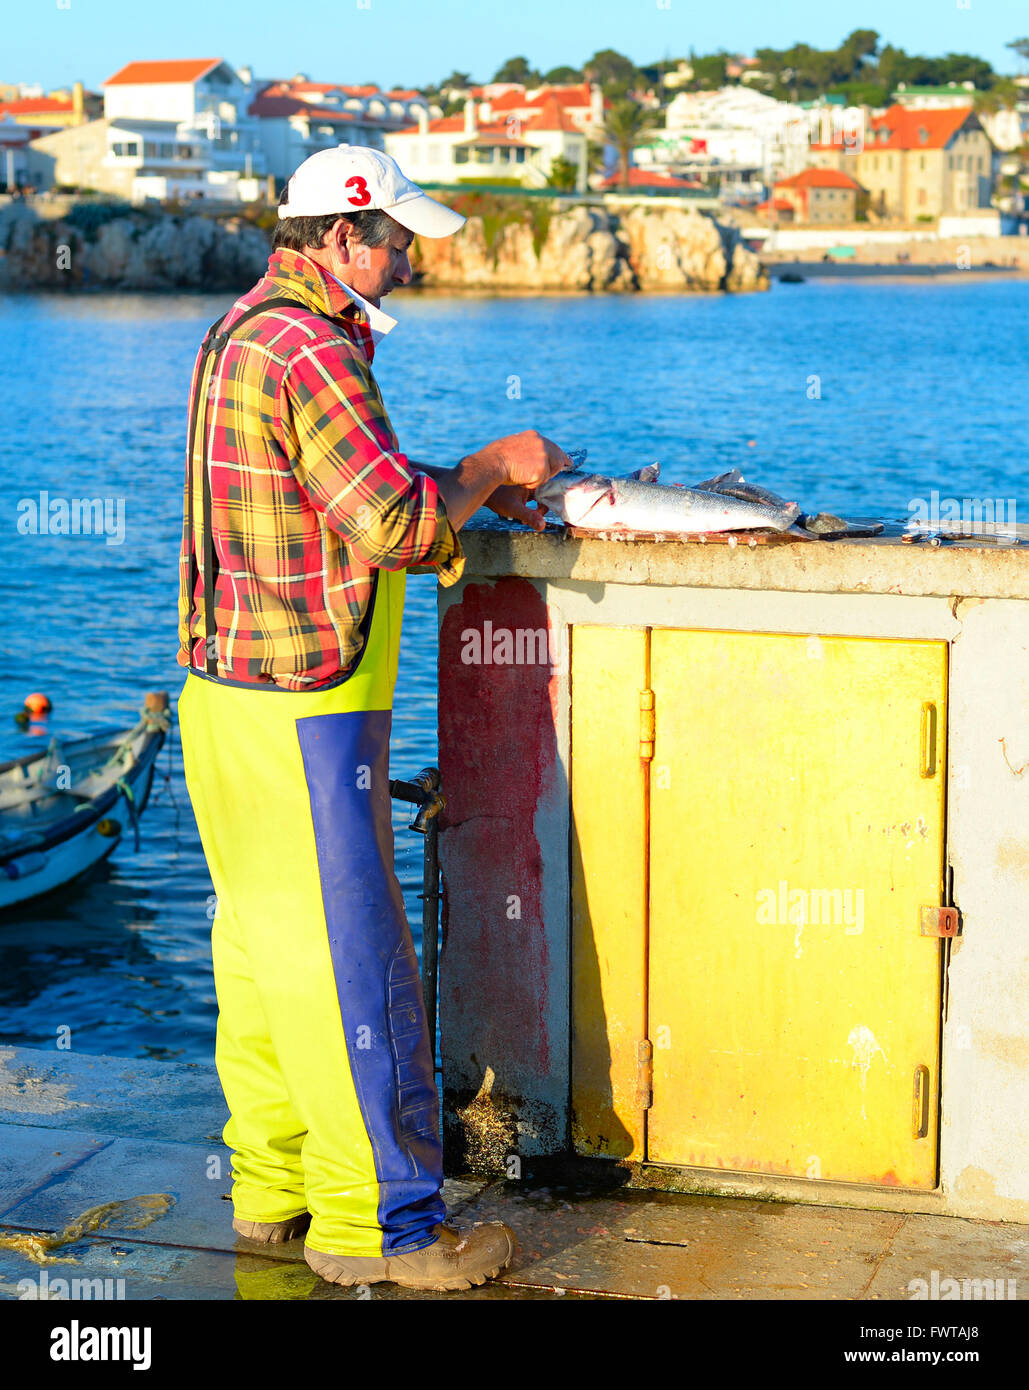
355 178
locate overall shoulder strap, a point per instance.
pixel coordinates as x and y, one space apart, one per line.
213 345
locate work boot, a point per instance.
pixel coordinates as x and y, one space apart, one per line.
453 1261
273 1232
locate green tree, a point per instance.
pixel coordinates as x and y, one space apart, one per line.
1002 96
563 74
615 73
563 174
861 93
708 72
892 68
627 125
456 79
964 67
517 70
857 49
1021 47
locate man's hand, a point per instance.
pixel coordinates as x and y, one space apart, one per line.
512 502
525 460
513 467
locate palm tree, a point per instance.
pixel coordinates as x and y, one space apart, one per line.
627 125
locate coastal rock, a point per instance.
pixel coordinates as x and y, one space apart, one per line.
675 249
747 271
131 251
542 246
589 248
578 250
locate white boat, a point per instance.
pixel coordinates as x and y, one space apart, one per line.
57 805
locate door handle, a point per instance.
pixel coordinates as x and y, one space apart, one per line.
927 742
920 1102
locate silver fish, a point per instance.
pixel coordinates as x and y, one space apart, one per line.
733 484
597 502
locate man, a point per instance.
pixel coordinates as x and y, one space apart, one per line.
301 518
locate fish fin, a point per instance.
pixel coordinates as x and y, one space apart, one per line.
648 474
729 479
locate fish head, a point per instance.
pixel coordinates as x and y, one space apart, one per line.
571 495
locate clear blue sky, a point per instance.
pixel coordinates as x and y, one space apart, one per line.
411 42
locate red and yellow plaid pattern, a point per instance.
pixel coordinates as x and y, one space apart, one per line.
309 491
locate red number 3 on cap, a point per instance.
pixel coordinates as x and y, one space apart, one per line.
362 197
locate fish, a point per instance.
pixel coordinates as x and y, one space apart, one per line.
637 503
733 484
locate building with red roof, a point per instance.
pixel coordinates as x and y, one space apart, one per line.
487 145
53 112
582 103
818 196
174 128
917 163
298 118
650 181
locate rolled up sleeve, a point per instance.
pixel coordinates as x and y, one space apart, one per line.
347 461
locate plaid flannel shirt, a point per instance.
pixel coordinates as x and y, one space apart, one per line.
310 493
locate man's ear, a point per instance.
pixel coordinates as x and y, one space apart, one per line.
340 239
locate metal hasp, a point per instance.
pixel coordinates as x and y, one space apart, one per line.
424 792
939 921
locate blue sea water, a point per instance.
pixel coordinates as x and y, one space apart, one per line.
852 397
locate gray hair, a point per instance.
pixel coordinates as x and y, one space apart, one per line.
372 226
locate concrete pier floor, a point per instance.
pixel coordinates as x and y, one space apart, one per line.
78 1131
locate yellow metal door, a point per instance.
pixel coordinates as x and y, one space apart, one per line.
609 891
796 828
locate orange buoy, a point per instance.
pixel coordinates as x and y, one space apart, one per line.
38 704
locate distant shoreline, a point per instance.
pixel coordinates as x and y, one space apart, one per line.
891 270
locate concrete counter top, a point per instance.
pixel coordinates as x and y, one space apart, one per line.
879 565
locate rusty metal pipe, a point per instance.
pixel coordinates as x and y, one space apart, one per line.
423 791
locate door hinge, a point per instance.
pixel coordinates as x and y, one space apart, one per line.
645 1074
934 920
647 724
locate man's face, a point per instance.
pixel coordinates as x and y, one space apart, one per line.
372 271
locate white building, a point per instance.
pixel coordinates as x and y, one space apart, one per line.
138 160
476 148
16 170
298 118
738 129
205 98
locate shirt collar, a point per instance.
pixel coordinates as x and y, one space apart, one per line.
379 322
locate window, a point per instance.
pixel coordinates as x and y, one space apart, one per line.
461 154
433 153
484 154
126 149
520 156
889 162
921 161
923 197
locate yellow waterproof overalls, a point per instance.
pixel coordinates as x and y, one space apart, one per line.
322 1046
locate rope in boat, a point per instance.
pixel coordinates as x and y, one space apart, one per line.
130 806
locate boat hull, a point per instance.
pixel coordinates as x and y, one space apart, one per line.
63 851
